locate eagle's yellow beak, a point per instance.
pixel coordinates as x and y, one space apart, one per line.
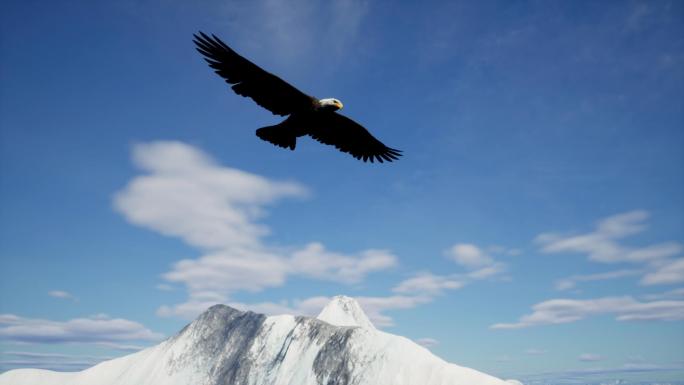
339 104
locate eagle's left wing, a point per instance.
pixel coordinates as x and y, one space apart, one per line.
250 80
350 137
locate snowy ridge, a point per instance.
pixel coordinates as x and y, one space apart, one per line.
228 346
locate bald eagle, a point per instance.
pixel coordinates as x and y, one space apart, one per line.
306 115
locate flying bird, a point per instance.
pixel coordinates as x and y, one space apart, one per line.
306 115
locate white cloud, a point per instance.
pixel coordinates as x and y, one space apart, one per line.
668 273
427 342
428 283
45 355
212 278
316 262
601 245
99 316
579 376
78 330
590 357
188 309
565 284
479 262
61 294
622 225
571 282
604 245
495 268
469 255
675 293
225 272
121 347
186 194
51 361
309 306
374 307
560 311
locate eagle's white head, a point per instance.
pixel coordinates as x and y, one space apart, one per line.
331 104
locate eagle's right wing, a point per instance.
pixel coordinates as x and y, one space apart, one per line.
266 89
350 137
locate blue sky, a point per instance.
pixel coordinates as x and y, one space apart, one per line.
533 230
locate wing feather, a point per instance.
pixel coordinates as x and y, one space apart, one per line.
350 137
249 80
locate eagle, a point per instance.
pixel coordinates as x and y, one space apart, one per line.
306 115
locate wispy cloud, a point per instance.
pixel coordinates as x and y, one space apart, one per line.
427 342
605 245
186 194
213 278
479 263
592 375
492 270
61 295
668 272
121 347
374 307
671 294
424 286
296 31
23 354
316 262
590 357
469 255
602 245
426 283
560 311
92 330
429 284
638 17
570 282
50 361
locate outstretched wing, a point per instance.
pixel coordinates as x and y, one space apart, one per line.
350 137
266 89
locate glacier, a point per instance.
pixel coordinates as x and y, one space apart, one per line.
226 346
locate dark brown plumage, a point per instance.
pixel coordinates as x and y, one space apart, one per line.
307 115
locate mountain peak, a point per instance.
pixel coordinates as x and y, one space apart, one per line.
229 346
345 311
217 312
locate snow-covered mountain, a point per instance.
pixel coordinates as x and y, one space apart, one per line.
225 346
